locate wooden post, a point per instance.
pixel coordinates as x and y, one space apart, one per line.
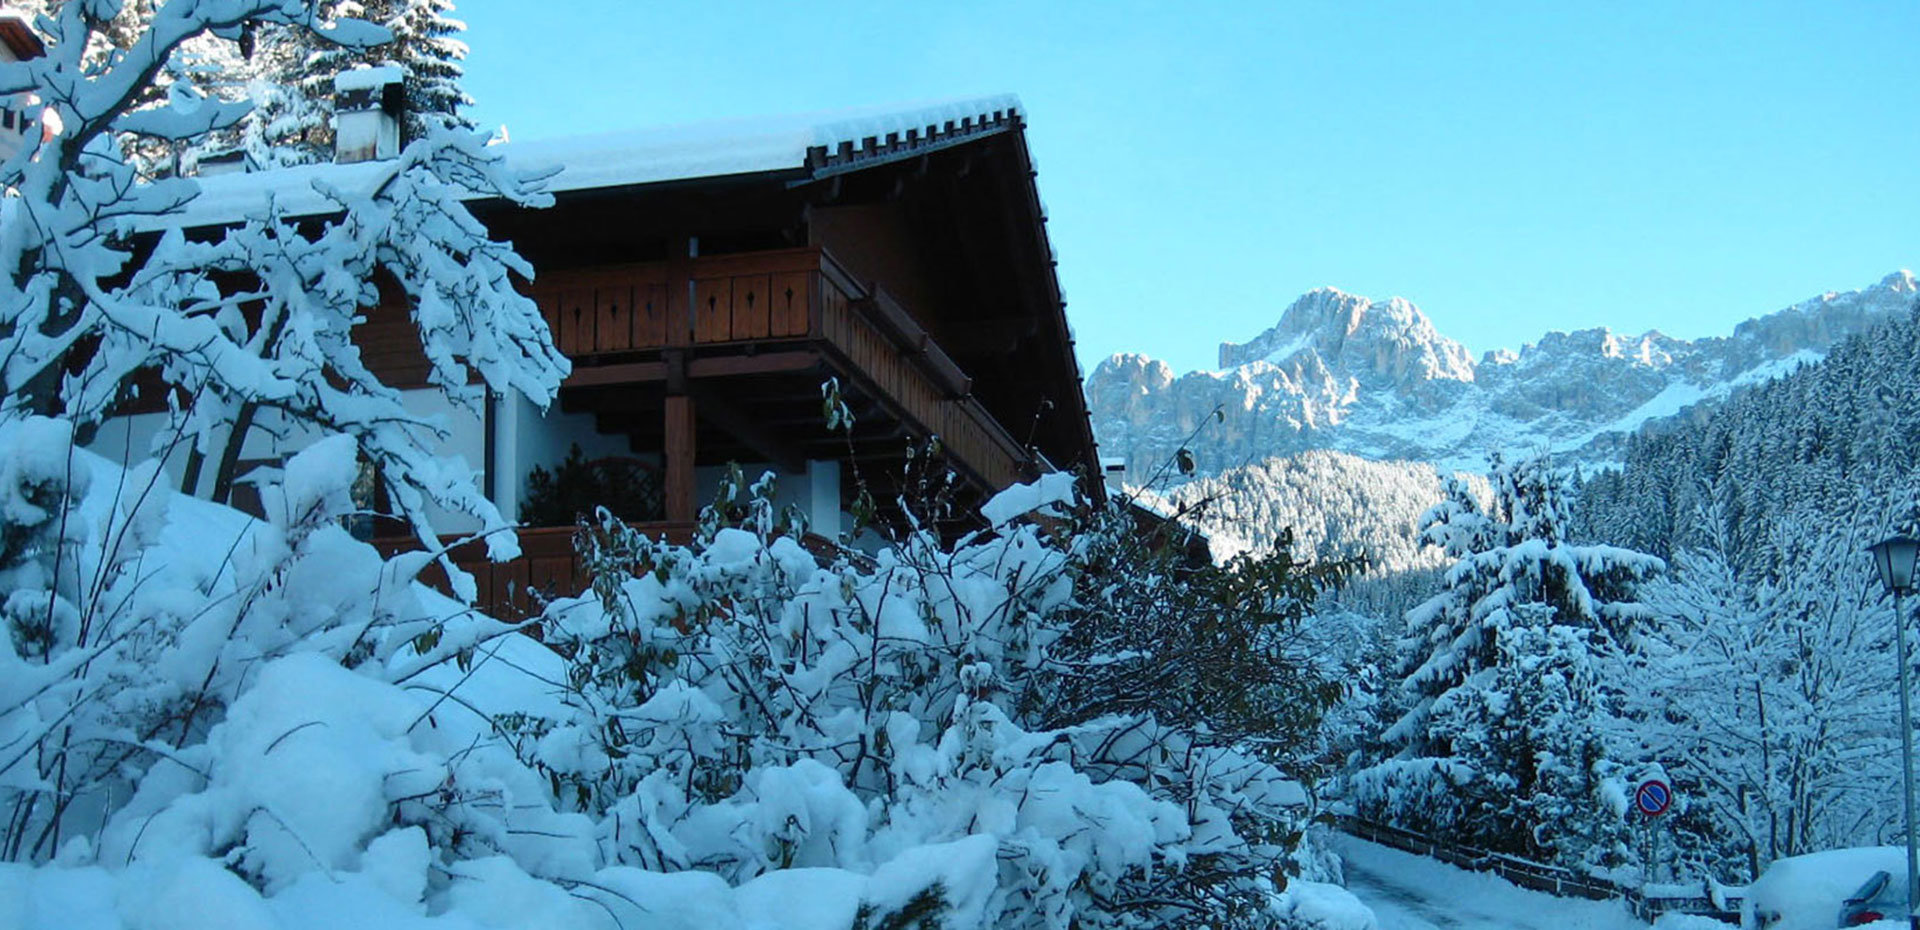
679 307
679 459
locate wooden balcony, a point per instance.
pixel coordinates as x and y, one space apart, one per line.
794 311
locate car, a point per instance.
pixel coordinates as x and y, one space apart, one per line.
1858 887
1876 900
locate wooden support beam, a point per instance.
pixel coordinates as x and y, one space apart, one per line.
678 453
725 366
762 363
624 373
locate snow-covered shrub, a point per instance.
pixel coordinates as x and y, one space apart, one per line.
135 617
264 724
740 708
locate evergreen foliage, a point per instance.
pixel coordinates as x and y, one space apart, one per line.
1496 734
424 47
278 77
628 489
1767 689
1763 684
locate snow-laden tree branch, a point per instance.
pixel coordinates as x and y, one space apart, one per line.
107 281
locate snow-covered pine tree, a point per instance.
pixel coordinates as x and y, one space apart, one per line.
1517 554
426 49
286 126
1496 742
285 73
202 65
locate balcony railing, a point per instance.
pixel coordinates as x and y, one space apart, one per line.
606 316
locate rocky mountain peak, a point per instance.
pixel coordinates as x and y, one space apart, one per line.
1375 378
1389 343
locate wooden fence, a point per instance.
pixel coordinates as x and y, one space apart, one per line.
1705 898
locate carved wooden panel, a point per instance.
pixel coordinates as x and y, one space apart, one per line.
650 314
712 309
750 306
789 300
613 317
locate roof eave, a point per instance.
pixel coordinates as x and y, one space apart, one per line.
870 151
20 37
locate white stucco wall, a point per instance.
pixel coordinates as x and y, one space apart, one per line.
136 438
527 437
816 493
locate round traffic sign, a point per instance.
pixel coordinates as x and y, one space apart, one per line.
1653 797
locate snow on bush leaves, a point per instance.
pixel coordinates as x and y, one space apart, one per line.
743 709
747 736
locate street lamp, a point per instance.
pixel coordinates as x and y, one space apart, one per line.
1894 558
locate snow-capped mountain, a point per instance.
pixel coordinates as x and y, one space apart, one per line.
1376 379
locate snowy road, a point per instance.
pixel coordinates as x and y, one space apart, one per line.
1409 892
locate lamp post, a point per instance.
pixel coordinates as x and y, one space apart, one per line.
1894 558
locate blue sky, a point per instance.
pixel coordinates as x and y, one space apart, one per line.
1510 167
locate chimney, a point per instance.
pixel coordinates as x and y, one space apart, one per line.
366 113
1114 472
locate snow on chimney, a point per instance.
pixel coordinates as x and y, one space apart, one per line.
366 114
1114 472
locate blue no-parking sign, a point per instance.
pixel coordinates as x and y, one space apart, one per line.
1653 797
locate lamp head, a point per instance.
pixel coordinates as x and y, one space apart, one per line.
1893 558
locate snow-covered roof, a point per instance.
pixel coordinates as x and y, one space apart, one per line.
819 144
18 36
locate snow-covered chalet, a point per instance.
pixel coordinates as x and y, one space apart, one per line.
707 280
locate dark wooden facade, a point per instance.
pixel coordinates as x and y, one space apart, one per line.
703 314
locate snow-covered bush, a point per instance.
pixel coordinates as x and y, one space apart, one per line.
264 724
136 617
740 708
1769 701
231 722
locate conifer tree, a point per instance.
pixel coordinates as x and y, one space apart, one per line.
1500 740
426 49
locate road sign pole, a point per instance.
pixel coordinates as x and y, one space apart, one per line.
1653 848
1652 798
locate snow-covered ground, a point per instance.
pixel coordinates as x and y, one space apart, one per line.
1409 892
